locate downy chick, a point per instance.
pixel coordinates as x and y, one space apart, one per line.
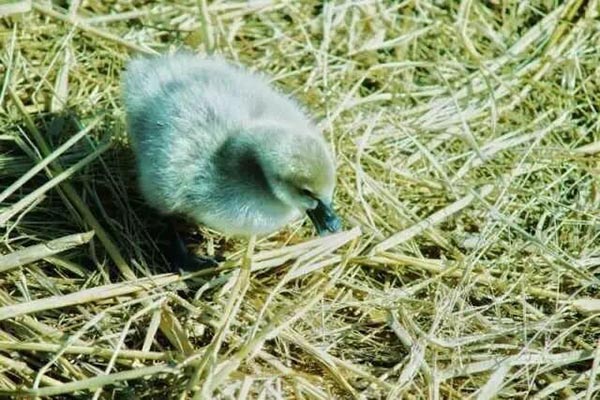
215 143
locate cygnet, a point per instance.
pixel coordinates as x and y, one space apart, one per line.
216 144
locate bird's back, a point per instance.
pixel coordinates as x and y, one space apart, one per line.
202 91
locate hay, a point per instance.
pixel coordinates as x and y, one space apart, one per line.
467 136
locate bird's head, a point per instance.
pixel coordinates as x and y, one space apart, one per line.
300 172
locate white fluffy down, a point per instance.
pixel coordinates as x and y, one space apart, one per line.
215 143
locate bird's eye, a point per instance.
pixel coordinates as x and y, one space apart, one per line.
307 193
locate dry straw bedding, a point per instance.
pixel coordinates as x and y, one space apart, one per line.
467 139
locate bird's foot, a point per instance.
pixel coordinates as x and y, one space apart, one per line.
181 258
194 262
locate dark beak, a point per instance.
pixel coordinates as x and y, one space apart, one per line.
324 219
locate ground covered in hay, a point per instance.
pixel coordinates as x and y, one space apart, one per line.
467 138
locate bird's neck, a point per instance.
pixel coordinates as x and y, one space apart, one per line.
238 162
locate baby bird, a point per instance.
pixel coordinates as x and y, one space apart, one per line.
215 143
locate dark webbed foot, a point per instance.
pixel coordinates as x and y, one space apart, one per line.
181 258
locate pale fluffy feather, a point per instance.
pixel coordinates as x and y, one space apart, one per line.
216 143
